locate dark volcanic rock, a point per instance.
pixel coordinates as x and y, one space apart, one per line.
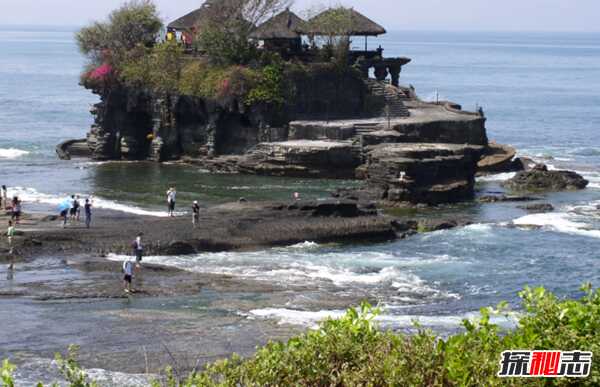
540 179
437 225
498 158
505 198
302 158
423 173
538 207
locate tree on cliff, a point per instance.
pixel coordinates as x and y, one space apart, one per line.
331 29
135 24
225 33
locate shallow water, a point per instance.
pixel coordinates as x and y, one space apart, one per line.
539 92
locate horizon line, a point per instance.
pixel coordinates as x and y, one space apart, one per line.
451 30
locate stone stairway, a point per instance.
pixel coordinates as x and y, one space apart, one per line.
365 128
394 98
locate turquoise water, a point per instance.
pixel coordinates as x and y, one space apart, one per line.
539 92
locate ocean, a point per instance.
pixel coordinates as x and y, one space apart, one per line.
539 92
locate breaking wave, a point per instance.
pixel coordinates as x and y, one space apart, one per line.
378 274
564 222
311 319
12 153
33 196
497 177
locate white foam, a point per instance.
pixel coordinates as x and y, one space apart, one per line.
379 274
33 196
497 177
592 176
312 319
558 221
12 153
44 370
307 245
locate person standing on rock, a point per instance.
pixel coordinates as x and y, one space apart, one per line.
4 197
10 233
171 196
138 249
88 212
16 209
73 209
77 208
127 275
195 213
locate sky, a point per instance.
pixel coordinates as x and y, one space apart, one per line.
445 15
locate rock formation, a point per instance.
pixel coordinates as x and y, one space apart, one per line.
423 173
303 159
541 179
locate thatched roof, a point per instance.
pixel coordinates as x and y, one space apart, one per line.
286 25
194 18
342 21
212 10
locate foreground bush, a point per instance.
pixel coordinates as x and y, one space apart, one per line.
351 351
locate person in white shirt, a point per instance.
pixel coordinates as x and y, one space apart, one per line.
128 275
171 196
138 249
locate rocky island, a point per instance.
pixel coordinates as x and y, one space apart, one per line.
304 105
289 98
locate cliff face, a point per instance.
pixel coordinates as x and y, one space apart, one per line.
137 124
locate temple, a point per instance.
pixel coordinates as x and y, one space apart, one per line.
295 39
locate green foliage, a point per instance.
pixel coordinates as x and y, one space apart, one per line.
352 352
241 83
268 88
225 48
6 374
70 369
135 23
157 68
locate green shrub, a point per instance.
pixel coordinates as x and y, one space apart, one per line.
352 352
268 88
6 374
158 68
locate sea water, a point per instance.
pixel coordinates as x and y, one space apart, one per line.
539 92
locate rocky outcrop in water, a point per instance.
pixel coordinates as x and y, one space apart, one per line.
541 179
423 173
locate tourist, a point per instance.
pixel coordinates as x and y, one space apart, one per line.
138 249
171 196
16 209
195 213
88 212
64 214
77 208
4 195
74 207
10 233
128 275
